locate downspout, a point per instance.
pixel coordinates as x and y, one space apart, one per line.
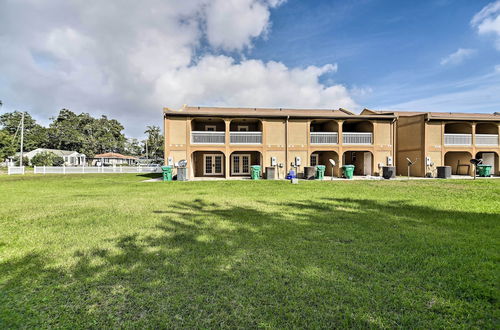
394 132
286 145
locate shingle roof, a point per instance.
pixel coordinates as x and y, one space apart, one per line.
114 155
437 115
263 112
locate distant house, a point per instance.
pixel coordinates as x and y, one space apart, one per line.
112 159
71 158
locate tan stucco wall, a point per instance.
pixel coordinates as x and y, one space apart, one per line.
297 132
274 133
176 131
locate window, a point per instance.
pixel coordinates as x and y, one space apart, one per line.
242 128
314 160
210 128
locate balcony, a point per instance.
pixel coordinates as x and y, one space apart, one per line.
357 138
487 139
245 137
324 138
208 137
457 139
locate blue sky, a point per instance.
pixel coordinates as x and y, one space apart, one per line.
128 59
390 49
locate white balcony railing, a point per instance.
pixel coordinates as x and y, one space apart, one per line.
245 137
457 139
324 138
207 137
486 139
357 138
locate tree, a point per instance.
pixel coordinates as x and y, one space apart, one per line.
86 134
133 147
7 149
35 135
155 143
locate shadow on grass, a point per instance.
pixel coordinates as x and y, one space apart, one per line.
150 175
322 263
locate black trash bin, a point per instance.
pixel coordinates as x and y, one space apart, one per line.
388 172
443 172
270 173
309 172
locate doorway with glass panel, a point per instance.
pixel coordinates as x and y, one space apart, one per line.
240 164
213 164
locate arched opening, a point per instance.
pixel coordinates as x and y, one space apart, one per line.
324 131
208 131
320 157
458 134
241 161
486 134
357 132
208 163
245 131
459 162
362 161
489 158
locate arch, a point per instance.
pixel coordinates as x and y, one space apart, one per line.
362 161
206 124
245 124
459 162
200 163
355 126
490 158
322 157
458 128
486 128
324 125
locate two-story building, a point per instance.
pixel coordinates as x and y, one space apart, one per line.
433 139
225 142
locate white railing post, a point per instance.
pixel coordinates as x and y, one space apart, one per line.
44 169
64 169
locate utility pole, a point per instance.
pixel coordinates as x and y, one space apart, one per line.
22 141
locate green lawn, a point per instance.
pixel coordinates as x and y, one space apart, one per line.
111 251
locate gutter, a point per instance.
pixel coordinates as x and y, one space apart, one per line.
286 145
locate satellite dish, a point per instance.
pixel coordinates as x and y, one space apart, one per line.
332 162
183 163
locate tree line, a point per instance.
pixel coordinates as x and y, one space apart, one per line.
77 132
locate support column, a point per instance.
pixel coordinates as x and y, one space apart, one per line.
473 140
341 149
227 154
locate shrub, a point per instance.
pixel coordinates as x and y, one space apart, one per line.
47 159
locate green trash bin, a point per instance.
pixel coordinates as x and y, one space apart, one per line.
255 172
484 170
167 173
348 171
320 172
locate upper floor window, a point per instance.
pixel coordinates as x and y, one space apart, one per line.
210 128
242 128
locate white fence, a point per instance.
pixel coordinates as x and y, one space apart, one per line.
357 138
15 170
208 137
324 138
457 139
96 169
245 137
486 139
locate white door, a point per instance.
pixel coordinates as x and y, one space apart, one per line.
367 163
240 164
212 164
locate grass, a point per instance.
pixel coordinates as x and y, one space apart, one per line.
110 251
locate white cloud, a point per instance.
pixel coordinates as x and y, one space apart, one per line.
128 59
487 21
458 57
